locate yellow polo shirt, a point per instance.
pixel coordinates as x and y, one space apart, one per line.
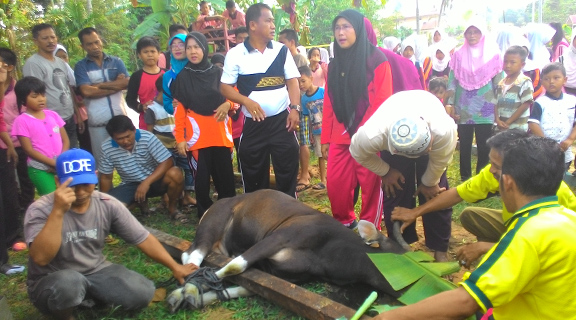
480 186
530 272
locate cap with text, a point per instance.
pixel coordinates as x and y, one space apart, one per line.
77 164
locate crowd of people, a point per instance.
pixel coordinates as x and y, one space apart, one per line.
384 123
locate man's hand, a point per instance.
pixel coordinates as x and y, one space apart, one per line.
182 271
469 253
324 150
428 192
12 156
140 195
64 196
293 120
407 216
391 182
255 110
564 145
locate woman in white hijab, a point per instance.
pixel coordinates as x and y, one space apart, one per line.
506 37
62 53
539 35
568 59
391 43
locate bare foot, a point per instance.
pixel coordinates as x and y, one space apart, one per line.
440 256
187 200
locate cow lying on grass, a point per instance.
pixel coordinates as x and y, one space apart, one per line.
286 238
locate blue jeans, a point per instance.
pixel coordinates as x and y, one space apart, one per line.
182 162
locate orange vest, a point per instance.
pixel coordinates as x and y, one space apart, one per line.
200 131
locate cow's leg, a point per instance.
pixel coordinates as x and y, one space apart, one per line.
212 228
263 249
211 296
188 294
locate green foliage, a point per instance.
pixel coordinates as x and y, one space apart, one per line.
322 12
16 21
415 271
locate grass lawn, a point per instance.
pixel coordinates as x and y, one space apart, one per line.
14 287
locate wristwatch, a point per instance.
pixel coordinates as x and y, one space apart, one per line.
296 107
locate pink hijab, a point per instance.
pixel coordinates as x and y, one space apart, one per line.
475 66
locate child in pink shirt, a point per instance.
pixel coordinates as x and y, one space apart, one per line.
236 17
40 132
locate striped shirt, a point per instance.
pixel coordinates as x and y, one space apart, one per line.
135 165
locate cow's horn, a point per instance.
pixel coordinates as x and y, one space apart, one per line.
398 236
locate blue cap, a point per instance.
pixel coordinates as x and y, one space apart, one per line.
78 164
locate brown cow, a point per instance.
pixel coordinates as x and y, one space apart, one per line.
284 237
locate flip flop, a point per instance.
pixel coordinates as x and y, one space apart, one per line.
301 187
319 186
180 217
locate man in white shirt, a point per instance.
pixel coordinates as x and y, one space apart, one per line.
262 69
416 139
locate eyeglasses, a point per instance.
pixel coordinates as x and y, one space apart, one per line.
177 46
344 27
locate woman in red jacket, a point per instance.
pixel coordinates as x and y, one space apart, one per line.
359 80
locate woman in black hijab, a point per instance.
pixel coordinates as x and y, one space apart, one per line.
203 129
359 80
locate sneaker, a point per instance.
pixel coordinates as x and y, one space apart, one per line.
9 269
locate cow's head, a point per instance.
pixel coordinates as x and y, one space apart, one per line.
376 239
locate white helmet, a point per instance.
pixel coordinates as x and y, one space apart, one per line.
409 136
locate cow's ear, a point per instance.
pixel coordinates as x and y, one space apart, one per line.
368 231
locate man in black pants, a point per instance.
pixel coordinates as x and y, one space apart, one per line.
263 69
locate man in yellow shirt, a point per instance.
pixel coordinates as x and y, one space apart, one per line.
527 274
486 224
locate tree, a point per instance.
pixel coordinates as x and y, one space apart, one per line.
16 19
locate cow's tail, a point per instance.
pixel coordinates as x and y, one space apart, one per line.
398 236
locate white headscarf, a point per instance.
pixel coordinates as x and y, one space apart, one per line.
59 47
569 61
506 36
442 35
324 55
421 50
523 42
440 65
539 35
409 42
390 43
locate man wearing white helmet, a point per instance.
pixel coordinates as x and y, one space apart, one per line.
409 141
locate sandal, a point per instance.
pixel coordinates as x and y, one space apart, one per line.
301 187
10 269
180 217
319 186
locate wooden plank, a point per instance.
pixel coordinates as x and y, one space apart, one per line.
288 295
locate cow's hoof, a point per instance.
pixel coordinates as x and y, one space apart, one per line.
175 299
192 296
